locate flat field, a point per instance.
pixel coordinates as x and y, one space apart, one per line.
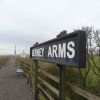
3 60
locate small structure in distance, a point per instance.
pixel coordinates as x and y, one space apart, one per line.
23 54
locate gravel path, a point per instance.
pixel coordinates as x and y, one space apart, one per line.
13 87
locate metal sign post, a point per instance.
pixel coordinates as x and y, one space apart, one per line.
68 50
36 80
15 55
62 82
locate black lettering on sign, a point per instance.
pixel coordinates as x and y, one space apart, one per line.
67 50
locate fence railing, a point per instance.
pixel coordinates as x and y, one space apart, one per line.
43 83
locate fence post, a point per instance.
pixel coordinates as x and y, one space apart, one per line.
62 82
30 76
36 80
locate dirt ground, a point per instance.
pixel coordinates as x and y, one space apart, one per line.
13 87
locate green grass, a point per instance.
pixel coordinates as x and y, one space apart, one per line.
41 96
75 75
49 67
3 60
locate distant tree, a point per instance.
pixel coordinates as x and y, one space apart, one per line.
97 41
89 40
92 52
95 53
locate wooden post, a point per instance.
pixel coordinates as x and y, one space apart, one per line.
62 81
30 75
36 80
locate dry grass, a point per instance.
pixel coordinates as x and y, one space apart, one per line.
3 60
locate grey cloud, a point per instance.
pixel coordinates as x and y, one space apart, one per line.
24 22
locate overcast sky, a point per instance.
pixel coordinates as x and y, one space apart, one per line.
24 22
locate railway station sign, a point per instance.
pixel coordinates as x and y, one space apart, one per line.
66 50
